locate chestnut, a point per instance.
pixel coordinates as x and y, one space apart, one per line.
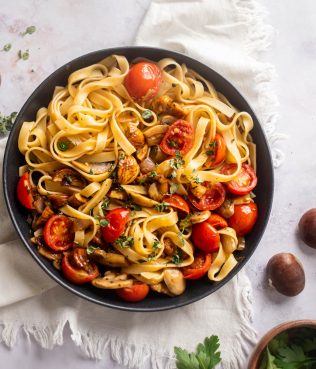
286 274
307 228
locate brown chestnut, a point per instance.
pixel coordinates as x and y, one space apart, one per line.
307 228
286 274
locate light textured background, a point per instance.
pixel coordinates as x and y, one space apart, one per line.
293 54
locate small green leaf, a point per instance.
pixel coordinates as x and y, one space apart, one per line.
105 203
29 30
24 55
91 249
185 360
147 115
7 47
173 188
104 222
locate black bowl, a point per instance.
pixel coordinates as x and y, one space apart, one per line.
13 159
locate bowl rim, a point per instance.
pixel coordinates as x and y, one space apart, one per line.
273 332
134 308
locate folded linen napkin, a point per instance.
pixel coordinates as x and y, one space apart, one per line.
228 35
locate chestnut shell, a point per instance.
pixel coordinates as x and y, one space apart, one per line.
307 228
286 274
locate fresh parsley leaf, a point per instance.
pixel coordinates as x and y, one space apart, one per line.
177 257
7 47
24 55
161 207
212 148
292 354
152 174
104 222
309 344
135 207
63 145
6 122
173 188
124 241
185 360
173 143
176 162
281 340
105 203
147 115
270 360
29 30
91 249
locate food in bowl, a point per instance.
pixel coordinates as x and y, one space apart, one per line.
139 176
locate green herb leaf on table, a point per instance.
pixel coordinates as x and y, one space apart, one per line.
29 30
186 360
7 47
6 122
91 249
24 55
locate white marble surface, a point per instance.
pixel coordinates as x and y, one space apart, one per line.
293 54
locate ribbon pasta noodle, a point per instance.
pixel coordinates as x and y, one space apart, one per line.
151 170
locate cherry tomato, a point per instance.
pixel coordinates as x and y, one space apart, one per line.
205 237
176 201
117 219
58 234
212 199
217 221
198 268
244 218
24 191
143 81
137 292
245 182
216 152
77 267
178 138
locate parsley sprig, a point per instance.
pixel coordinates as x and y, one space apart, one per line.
124 241
161 207
212 148
206 355
6 122
29 30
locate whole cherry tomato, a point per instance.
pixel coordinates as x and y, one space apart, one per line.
205 237
143 81
117 220
212 199
216 152
245 182
77 267
137 292
198 268
244 218
178 138
24 191
58 233
178 202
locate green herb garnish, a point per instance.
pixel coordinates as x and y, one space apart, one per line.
177 162
29 30
161 207
105 203
104 222
7 47
91 171
177 257
91 249
173 188
63 145
24 55
206 355
185 222
124 241
152 174
147 115
68 179
6 122
173 143
212 148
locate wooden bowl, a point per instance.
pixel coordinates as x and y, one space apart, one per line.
254 360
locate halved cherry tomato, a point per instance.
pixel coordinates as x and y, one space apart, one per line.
244 218
216 152
58 234
198 268
212 199
77 267
117 219
245 182
205 237
179 137
135 293
143 81
217 221
176 201
24 191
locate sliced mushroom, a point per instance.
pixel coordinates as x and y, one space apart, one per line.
168 119
165 104
174 281
112 281
197 217
157 155
80 224
68 176
155 134
128 169
226 210
109 259
57 263
154 193
142 153
58 200
161 288
100 168
118 195
197 189
47 253
46 214
147 166
241 243
143 200
76 200
39 204
135 135
169 246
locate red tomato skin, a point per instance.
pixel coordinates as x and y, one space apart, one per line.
77 276
24 191
211 200
248 172
181 132
219 154
51 239
178 202
117 220
217 221
244 218
205 237
196 272
137 292
143 81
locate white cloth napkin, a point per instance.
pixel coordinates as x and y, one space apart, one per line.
228 35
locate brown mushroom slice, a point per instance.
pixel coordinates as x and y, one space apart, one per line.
154 193
226 210
161 288
80 224
46 214
112 281
168 119
76 200
147 166
174 281
68 176
165 104
141 153
157 154
143 200
135 135
39 204
155 134
197 217
118 195
109 259
58 200
47 253
128 169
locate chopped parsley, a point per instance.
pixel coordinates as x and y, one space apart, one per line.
29 30
177 162
6 122
173 143
68 179
185 222
173 188
161 207
152 174
24 55
91 249
212 148
105 203
63 145
147 115
124 241
91 171
104 222
7 47
177 257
